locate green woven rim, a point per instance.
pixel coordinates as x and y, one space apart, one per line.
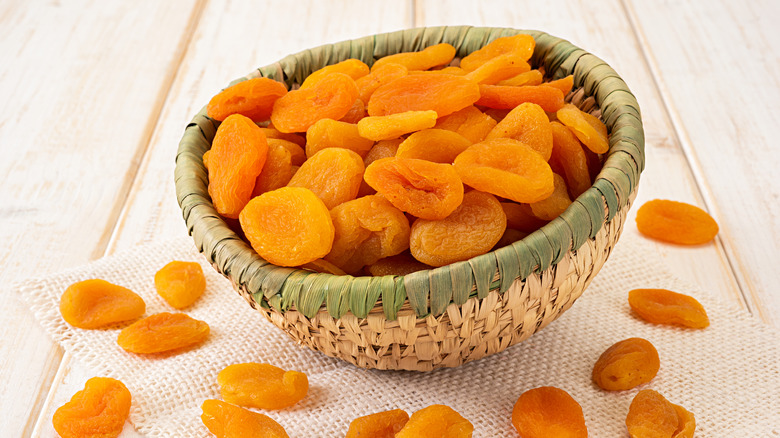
430 291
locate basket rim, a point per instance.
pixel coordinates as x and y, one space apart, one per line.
429 291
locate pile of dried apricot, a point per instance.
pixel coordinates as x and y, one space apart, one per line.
420 157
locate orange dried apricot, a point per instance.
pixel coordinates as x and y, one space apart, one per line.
675 222
380 425
528 124
551 207
521 44
563 84
421 188
379 76
96 303
395 125
469 122
206 159
289 226
686 424
180 283
588 129
519 217
277 170
496 113
367 229
237 157
472 229
272 133
568 155
297 154
627 364
436 145
353 68
498 69
98 410
355 113
381 149
651 415
328 133
439 54
262 386
163 332
442 93
506 97
548 412
436 421
333 174
226 420
329 98
400 264
533 77
661 306
506 168
253 98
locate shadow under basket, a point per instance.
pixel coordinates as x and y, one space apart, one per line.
446 316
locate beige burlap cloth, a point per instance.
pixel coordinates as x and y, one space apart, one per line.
728 375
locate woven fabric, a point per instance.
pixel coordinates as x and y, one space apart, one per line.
728 375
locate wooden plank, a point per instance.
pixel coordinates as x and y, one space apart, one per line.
716 67
81 93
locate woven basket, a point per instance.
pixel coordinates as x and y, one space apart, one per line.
446 316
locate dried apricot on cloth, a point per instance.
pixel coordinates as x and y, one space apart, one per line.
253 98
675 222
661 306
98 410
262 386
289 226
180 283
163 332
548 412
380 425
230 421
330 98
626 364
395 125
651 415
590 130
436 421
97 303
442 93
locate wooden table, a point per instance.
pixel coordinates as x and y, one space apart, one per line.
95 96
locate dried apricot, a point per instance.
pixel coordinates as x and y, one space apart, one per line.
237 157
533 77
180 283
367 229
289 226
472 229
330 98
627 364
327 133
469 122
506 97
436 421
400 264
563 84
523 45
381 149
163 332
527 123
206 159
661 306
421 188
297 154
519 217
230 421
442 93
253 98
439 54
436 145
651 415
498 69
395 125
355 113
568 155
98 410
675 222
506 168
353 68
272 133
333 174
277 170
380 425
687 423
548 412
588 129
551 207
379 76
97 303
262 386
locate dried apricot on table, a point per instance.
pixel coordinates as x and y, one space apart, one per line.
230 421
548 412
442 93
436 421
507 97
237 157
330 98
661 306
471 230
97 303
328 133
568 155
436 145
163 332
98 410
262 386
589 129
651 415
289 226
551 207
395 125
675 222
333 174
469 122
527 123
380 425
253 98
432 56
353 68
627 364
506 168
421 188
180 283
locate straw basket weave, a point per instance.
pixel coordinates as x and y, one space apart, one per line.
446 316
